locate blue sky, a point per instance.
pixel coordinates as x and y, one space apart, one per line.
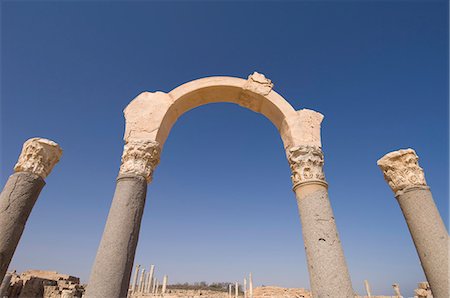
221 203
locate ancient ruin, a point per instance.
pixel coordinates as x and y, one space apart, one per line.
39 283
407 180
149 119
36 161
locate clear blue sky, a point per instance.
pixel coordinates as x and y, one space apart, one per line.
221 203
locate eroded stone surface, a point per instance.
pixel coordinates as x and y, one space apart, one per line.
38 156
140 157
45 284
151 115
258 83
401 170
302 129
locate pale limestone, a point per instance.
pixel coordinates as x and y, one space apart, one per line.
402 171
258 83
303 129
38 156
406 178
140 157
151 115
306 163
149 119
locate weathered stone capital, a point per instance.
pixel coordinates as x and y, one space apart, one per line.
306 164
38 156
401 170
140 157
258 83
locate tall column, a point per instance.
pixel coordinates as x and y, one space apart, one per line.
154 286
135 279
36 161
236 290
5 284
396 288
142 281
229 290
328 272
407 180
111 272
164 285
245 288
150 278
367 286
250 285
147 281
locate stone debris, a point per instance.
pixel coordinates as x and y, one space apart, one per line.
43 284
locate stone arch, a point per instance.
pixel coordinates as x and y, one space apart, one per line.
149 118
151 115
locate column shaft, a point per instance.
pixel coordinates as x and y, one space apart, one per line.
430 237
328 273
16 202
113 264
407 180
36 161
4 287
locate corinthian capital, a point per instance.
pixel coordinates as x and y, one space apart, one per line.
140 157
401 170
38 156
306 164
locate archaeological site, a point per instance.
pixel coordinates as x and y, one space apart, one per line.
148 121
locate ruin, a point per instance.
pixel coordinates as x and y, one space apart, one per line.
36 161
40 283
149 119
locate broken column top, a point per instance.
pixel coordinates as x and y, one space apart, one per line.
38 156
401 170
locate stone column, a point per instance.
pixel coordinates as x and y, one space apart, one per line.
147 281
396 288
4 287
164 284
142 281
328 272
154 286
245 288
111 272
236 290
367 286
407 180
229 290
135 279
36 161
150 278
250 285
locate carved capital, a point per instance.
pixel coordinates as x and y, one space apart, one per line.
38 156
306 164
140 157
401 170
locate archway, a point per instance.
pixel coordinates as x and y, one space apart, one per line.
149 119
